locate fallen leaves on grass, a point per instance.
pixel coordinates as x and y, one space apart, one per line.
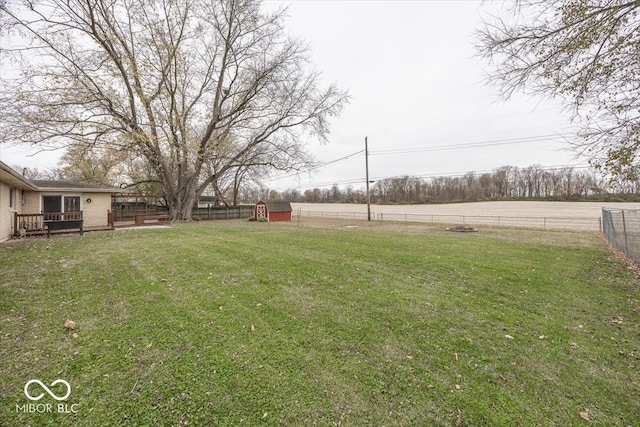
617 320
585 415
509 337
70 324
620 256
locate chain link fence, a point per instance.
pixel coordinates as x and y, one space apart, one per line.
621 227
545 223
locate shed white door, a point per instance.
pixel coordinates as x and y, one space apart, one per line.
261 211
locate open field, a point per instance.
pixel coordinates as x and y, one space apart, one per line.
545 215
319 323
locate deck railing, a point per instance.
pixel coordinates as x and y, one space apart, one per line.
34 223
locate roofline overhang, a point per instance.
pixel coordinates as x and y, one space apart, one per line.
12 177
76 190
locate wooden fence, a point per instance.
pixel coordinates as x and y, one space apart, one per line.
223 212
200 214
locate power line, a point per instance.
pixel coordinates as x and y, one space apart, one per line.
348 156
425 176
461 174
433 148
487 143
511 141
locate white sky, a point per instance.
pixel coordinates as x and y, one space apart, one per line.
416 83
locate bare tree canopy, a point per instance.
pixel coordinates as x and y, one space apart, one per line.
586 52
179 83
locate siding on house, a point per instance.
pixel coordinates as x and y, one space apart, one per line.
95 213
6 212
31 202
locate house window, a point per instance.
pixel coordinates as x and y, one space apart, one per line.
71 203
12 197
60 204
51 204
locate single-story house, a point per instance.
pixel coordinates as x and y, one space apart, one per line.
25 203
272 210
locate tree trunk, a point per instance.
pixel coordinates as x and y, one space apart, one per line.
181 208
181 203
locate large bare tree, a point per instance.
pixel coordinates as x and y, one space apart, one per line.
585 52
171 81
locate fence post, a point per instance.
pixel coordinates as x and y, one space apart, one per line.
608 228
624 229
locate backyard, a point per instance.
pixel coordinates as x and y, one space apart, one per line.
318 323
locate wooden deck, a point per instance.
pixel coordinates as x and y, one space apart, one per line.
34 224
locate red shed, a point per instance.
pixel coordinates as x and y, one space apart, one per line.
272 210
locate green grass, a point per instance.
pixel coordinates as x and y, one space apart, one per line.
238 323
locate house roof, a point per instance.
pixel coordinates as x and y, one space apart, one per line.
277 205
16 180
46 185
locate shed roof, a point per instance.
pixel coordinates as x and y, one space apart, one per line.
277 205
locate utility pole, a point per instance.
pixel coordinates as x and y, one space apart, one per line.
366 162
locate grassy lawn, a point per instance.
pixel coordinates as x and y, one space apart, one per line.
239 323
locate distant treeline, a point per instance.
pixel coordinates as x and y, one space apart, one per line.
505 183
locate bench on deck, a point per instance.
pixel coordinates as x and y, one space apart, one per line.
65 224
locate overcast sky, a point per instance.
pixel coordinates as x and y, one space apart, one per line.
418 94
418 91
